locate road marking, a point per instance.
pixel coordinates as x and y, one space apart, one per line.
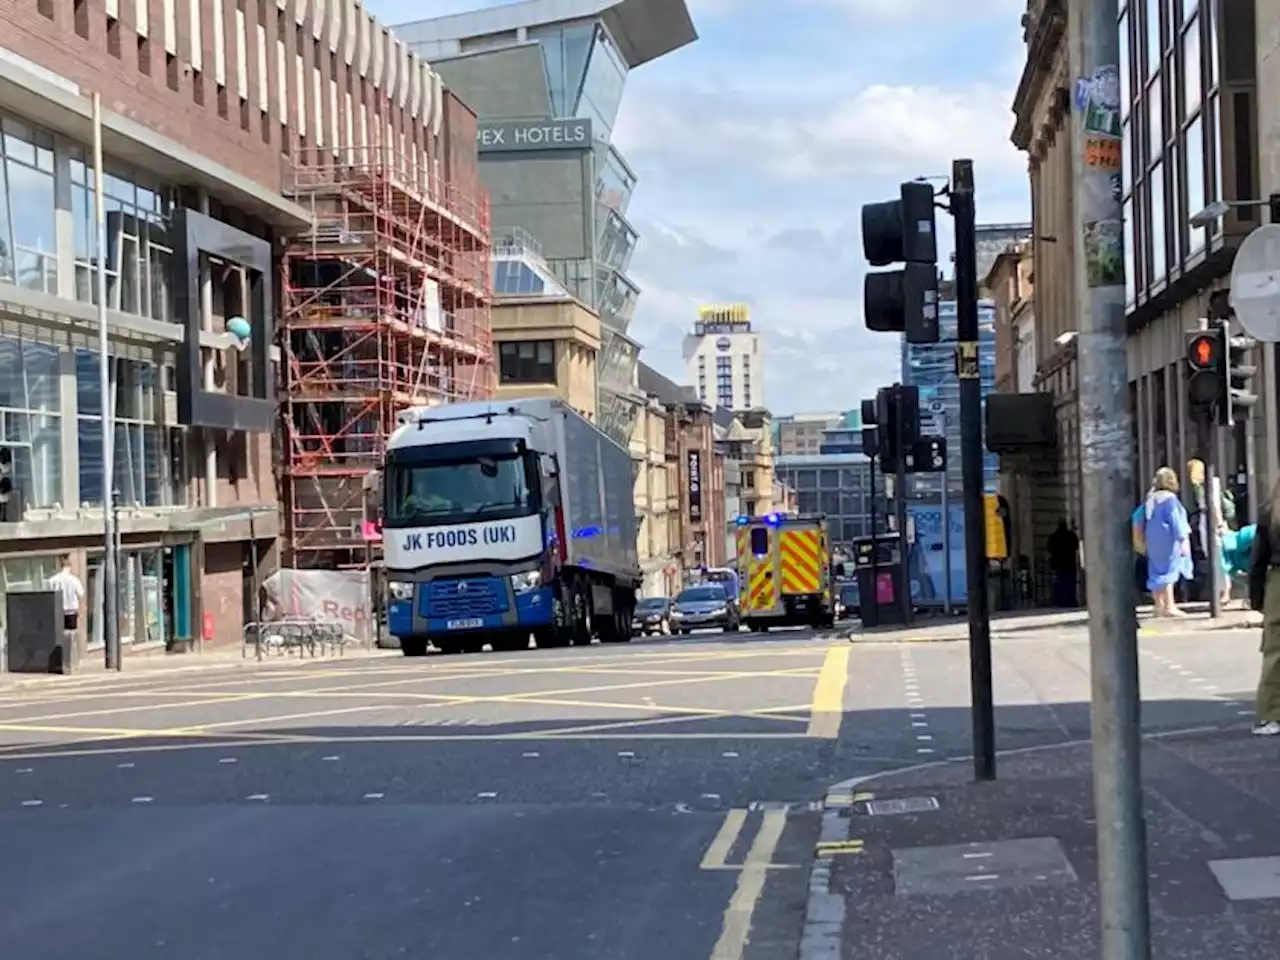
531 754
627 754
331 758
714 858
374 796
729 754
33 803
711 796
983 876
143 799
827 711
838 847
25 770
257 796
227 760
486 796
737 917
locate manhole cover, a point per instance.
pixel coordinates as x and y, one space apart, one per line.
884 808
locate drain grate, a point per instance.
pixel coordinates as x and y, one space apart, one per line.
885 808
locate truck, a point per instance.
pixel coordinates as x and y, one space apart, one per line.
786 571
503 519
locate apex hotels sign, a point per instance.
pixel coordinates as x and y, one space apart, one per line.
518 136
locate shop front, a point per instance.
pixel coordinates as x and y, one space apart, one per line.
154 589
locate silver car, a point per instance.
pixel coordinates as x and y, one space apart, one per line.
704 607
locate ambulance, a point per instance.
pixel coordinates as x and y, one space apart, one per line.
784 563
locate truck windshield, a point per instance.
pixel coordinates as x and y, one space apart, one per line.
426 493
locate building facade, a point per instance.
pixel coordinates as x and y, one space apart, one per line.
657 500
800 434
546 78
724 359
930 367
203 134
838 486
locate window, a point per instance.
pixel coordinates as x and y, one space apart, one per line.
1131 264
616 183
1155 118
139 250
527 361
565 51
140 475
1152 15
602 86
28 248
30 428
1126 93
1191 66
1126 156
1159 261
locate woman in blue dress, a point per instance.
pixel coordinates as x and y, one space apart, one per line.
1167 537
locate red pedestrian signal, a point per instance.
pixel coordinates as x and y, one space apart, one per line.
1204 352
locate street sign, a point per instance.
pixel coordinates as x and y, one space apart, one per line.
928 455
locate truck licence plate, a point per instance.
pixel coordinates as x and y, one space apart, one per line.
469 624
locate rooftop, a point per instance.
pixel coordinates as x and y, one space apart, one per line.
644 30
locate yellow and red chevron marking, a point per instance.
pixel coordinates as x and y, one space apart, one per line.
762 593
801 555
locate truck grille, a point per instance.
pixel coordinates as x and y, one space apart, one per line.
478 597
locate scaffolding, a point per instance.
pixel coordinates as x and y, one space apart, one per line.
385 305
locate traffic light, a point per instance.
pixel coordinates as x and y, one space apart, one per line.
1207 383
902 231
898 421
1240 397
870 430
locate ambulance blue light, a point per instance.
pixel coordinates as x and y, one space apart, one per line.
771 519
743 520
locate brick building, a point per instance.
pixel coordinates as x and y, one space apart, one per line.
224 136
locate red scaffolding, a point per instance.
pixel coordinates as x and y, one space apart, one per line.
385 306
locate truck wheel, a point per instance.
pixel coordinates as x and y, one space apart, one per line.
413 646
510 643
584 626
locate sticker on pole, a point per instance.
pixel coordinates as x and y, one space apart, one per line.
1255 284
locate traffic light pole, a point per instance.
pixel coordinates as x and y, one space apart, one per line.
900 514
969 373
1106 469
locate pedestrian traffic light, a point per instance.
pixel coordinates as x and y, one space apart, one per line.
870 431
1240 398
1206 384
902 231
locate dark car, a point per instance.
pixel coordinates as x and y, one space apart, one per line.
704 607
652 616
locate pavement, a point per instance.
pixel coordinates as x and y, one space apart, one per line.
922 862
707 797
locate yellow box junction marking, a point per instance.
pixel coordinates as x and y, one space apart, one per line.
828 695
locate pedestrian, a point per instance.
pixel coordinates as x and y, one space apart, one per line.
1064 550
1167 538
1264 596
72 590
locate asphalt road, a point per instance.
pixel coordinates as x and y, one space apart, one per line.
652 800
630 802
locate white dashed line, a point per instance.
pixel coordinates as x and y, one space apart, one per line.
919 723
227 760
486 796
923 750
330 759
729 754
924 736
258 796
374 796
125 766
25 770
917 716
33 803
711 796
983 876
531 754
977 856
627 754
143 799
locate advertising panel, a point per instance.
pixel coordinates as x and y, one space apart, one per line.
695 485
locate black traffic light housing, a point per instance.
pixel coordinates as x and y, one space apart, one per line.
902 231
898 423
1206 365
1240 398
870 430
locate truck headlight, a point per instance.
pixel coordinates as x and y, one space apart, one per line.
400 590
524 582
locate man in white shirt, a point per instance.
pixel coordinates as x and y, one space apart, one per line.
72 591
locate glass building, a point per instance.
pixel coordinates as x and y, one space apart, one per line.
563 60
931 367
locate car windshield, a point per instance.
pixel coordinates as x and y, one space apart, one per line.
652 604
701 595
457 491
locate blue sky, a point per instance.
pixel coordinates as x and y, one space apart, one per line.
756 146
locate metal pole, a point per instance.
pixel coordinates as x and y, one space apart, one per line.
1107 472
975 534
1213 545
946 528
900 511
110 595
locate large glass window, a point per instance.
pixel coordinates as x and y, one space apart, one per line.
1191 66
30 428
1193 151
139 443
1159 260
565 51
615 182
1155 118
28 248
617 240
602 86
1211 16
1126 156
1130 282
1152 15
139 250
527 361
1126 94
